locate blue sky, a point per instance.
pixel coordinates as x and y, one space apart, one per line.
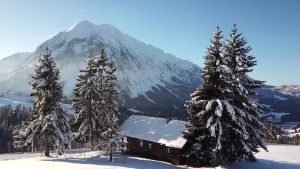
180 27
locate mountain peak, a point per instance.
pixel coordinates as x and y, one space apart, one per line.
87 29
86 25
82 25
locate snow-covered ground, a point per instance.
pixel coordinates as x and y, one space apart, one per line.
79 160
278 157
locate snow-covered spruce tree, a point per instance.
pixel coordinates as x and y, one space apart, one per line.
107 80
86 105
49 122
18 138
94 101
208 107
245 134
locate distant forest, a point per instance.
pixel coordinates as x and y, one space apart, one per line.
10 118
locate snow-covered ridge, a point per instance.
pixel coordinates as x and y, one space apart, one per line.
279 97
274 116
141 68
146 66
292 90
15 99
108 34
8 64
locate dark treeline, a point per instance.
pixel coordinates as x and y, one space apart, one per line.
275 135
10 117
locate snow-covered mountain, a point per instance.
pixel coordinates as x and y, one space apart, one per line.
149 79
9 64
283 100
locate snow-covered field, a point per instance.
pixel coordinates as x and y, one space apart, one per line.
79 160
278 157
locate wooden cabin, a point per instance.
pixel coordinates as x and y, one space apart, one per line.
154 138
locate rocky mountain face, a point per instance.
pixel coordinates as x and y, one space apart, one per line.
149 80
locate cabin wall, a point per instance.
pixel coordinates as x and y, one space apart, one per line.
157 151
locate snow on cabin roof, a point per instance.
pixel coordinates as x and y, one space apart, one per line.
155 129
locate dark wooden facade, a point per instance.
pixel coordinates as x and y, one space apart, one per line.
156 151
144 136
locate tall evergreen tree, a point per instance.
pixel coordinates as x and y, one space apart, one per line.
109 139
224 120
86 105
247 128
111 107
95 95
49 122
107 81
208 106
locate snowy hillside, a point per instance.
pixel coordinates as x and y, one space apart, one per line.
274 116
293 90
278 99
278 157
148 78
8 64
11 64
15 99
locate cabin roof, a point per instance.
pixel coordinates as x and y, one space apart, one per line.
155 129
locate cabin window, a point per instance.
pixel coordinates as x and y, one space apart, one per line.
149 146
168 150
141 143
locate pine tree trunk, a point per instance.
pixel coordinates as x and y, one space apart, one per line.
47 148
110 150
92 145
110 154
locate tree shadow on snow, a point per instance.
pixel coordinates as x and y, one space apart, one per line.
263 164
121 161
